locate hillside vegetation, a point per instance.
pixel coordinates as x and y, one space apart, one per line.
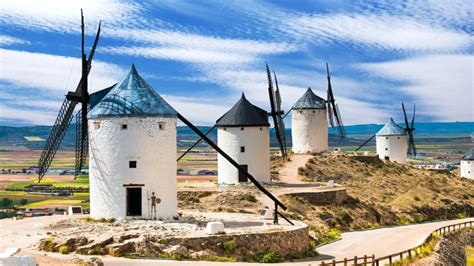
382 193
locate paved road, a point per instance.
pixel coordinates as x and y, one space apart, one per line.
382 242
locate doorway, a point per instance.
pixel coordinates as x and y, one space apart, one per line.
387 158
134 201
242 177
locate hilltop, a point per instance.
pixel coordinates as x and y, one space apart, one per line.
382 193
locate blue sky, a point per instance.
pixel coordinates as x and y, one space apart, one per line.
201 55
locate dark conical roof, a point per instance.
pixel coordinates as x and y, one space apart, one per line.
244 114
132 96
309 100
469 156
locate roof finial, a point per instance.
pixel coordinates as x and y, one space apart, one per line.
243 95
133 69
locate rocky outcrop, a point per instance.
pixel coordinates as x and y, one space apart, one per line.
451 247
285 242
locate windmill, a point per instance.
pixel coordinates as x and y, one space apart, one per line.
334 115
395 135
64 118
276 113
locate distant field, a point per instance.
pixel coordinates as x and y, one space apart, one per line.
81 181
33 138
19 159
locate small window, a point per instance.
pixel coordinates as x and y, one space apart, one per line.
124 126
96 125
398 137
161 126
132 164
225 129
386 149
260 128
386 137
314 111
241 128
242 148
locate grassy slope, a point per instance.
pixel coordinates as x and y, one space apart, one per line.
383 194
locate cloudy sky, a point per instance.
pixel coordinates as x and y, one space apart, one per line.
201 55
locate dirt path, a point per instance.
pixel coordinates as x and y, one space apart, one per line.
289 172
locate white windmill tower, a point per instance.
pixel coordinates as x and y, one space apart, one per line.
467 164
243 133
393 141
309 124
132 143
310 120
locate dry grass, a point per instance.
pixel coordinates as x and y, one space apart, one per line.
384 193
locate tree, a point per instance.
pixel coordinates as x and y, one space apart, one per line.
23 201
6 202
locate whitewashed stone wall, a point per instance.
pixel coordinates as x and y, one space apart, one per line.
110 150
309 129
395 147
256 141
467 169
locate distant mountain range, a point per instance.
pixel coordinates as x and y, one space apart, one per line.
421 128
34 136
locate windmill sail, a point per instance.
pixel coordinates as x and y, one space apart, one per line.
334 114
275 103
409 129
63 120
279 111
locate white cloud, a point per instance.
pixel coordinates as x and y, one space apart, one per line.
194 48
64 16
200 111
441 85
53 72
26 115
380 31
9 40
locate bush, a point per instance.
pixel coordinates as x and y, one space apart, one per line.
229 246
249 197
23 201
268 257
6 202
63 249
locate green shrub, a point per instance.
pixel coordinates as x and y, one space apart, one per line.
268 257
229 246
23 201
249 197
63 249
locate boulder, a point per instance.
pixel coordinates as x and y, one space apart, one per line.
120 249
121 238
94 261
176 250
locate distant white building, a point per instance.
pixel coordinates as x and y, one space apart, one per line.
309 124
243 133
132 144
467 164
391 143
